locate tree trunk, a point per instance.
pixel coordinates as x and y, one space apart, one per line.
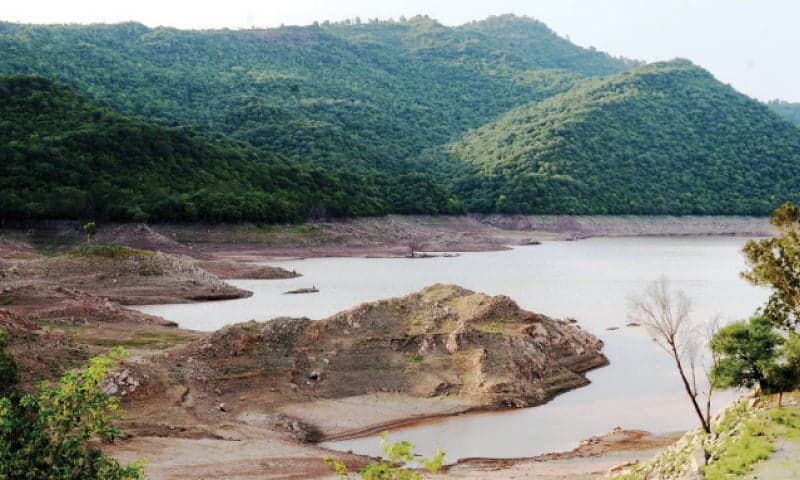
689 392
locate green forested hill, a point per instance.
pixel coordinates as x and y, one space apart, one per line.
63 157
368 117
789 111
372 95
662 138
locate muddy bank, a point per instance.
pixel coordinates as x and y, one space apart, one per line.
398 236
597 457
228 269
390 236
575 227
124 275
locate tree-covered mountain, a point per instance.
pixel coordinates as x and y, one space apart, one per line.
788 110
374 94
358 118
64 157
661 138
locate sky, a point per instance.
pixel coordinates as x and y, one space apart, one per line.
750 44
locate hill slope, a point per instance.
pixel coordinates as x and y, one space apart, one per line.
64 157
357 118
371 95
662 138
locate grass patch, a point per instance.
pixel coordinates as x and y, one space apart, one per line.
159 340
416 358
106 250
496 328
736 455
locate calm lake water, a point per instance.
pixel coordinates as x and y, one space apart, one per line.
589 280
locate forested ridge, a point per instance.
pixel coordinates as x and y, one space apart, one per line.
371 117
661 138
64 157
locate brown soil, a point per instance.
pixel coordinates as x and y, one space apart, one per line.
131 277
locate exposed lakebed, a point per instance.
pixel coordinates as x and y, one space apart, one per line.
589 280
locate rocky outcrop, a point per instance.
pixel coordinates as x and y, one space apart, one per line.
444 340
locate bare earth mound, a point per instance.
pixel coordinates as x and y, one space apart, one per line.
481 351
124 275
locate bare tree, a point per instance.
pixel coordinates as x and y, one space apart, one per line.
703 359
665 315
413 242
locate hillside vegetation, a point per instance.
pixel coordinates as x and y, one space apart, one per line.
662 138
369 95
64 157
367 118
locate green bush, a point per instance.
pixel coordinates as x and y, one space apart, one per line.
51 435
398 458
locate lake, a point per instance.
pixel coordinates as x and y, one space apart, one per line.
589 280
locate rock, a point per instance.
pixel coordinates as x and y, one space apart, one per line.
617 469
479 348
110 388
697 459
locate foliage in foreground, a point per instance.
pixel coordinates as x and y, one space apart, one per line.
775 263
399 457
52 435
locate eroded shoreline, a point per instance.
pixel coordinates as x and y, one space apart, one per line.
207 416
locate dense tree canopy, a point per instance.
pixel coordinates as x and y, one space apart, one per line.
366 118
64 157
662 138
343 94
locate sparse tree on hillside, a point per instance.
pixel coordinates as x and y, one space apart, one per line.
665 315
90 229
